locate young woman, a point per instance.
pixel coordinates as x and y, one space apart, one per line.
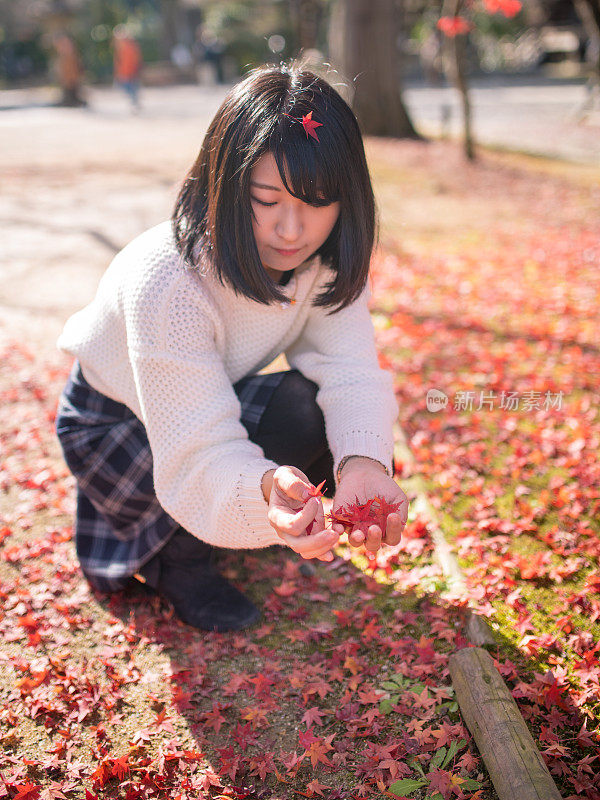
177 441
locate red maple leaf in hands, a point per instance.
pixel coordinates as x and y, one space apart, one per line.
357 516
310 124
314 491
381 509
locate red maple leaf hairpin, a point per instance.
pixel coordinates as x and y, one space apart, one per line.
308 123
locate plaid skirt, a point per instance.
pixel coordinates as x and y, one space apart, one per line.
119 523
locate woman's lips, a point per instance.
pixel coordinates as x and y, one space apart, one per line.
287 252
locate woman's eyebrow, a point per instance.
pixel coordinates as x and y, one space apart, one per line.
265 186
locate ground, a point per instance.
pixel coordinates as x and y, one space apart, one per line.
485 282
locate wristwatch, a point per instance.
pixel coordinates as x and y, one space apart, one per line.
342 464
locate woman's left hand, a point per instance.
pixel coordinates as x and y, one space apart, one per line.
365 479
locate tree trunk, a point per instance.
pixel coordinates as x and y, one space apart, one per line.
363 44
306 18
455 67
169 12
589 14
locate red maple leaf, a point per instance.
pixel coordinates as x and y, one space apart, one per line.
359 516
315 491
214 719
229 762
163 722
315 786
310 124
262 684
313 715
27 791
453 26
54 791
306 738
510 8
102 773
317 750
287 588
382 509
440 781
468 762
120 767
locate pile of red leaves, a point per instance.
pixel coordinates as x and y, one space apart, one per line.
359 516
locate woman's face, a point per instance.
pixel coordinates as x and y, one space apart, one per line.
287 231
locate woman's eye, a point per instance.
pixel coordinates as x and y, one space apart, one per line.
261 202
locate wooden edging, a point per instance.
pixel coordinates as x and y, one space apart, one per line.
513 761
476 629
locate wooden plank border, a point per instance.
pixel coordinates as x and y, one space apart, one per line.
512 759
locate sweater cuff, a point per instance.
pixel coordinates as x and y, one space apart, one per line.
364 443
253 508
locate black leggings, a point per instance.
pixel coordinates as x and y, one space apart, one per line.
292 430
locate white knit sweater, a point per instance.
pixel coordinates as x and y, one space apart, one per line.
169 343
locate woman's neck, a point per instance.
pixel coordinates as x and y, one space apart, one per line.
274 273
280 276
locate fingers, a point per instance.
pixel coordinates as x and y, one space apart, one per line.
393 529
316 545
319 523
372 541
290 482
285 520
396 523
356 538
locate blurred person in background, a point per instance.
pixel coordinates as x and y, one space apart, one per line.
127 64
69 70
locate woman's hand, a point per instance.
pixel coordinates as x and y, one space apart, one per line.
365 479
290 513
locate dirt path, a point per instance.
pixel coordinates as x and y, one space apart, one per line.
77 186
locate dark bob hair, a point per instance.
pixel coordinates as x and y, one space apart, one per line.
212 219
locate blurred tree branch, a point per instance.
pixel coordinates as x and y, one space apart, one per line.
455 68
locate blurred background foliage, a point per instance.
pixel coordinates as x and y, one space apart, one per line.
175 35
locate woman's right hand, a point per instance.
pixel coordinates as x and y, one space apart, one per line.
290 513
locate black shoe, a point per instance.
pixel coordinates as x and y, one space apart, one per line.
183 572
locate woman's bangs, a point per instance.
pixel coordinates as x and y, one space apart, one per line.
307 172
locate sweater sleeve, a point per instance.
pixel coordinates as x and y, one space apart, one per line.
207 473
355 394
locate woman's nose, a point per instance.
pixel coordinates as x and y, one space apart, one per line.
289 224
